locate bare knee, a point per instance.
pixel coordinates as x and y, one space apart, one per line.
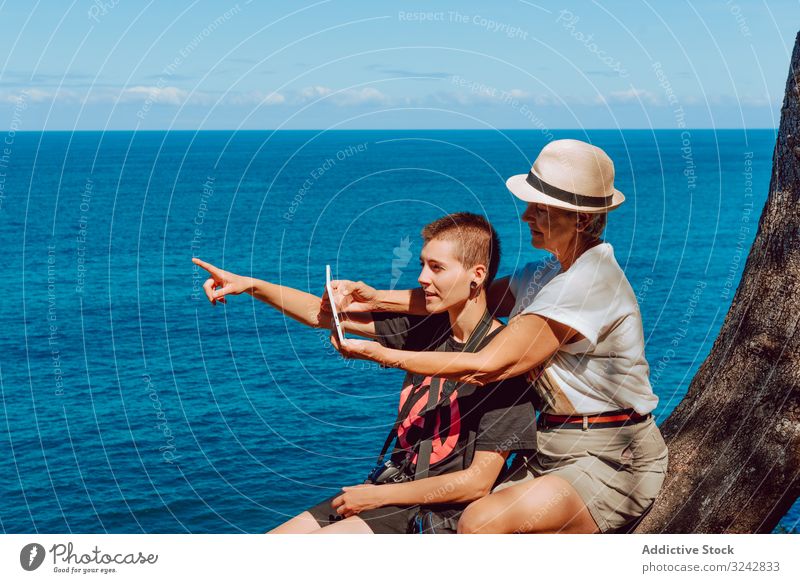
477 518
303 523
547 504
351 525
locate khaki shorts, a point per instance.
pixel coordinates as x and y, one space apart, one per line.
617 471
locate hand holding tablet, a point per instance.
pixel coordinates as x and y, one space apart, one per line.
336 321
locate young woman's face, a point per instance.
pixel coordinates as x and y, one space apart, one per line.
443 277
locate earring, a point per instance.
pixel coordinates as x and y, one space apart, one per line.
473 285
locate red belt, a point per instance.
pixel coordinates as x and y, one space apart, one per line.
609 419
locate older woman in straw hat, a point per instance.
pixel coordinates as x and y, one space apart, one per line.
575 328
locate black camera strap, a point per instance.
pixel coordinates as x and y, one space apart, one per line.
426 446
404 411
435 399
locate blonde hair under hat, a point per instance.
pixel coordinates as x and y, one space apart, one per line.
571 175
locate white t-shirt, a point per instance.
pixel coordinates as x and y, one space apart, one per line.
607 369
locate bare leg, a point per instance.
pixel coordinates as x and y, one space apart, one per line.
303 523
547 504
352 525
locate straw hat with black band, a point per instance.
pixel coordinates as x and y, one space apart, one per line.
571 175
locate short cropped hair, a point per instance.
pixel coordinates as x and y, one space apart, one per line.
597 224
477 241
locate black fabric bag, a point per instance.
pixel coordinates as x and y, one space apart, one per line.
437 521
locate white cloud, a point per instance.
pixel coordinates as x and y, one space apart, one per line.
36 95
486 95
175 96
519 94
473 95
362 96
632 95
273 99
315 92
39 95
343 98
168 95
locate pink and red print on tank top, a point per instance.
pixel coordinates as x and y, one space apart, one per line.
447 426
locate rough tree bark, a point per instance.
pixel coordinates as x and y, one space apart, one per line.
734 440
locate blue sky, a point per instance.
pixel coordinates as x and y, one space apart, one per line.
120 64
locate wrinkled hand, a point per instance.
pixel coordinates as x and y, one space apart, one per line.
359 349
351 296
230 283
357 499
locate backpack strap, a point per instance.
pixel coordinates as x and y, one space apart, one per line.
426 446
402 414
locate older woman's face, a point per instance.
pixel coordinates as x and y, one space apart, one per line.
551 228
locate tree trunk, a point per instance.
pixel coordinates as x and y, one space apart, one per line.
734 440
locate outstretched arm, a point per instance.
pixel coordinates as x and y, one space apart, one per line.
528 341
299 305
461 486
305 308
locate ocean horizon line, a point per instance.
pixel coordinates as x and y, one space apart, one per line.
537 130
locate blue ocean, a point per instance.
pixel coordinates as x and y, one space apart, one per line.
130 404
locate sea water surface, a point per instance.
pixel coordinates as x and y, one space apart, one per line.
130 404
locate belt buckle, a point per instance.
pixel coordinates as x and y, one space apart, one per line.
585 423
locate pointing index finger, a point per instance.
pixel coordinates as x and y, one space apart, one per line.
207 266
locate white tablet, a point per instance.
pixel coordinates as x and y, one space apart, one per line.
339 331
